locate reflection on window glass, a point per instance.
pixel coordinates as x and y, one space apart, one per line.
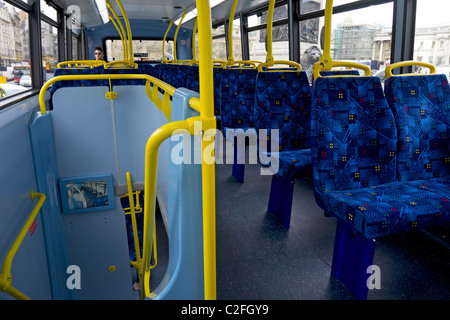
14 51
219 48
432 39
75 49
280 36
49 39
237 45
362 35
143 50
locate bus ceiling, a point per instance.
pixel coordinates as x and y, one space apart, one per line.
90 11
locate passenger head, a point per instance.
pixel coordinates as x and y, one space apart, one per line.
98 53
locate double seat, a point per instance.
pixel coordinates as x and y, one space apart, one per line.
380 162
382 168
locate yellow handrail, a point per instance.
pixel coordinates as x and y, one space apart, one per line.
151 93
325 62
208 169
151 166
269 56
81 63
230 34
5 276
194 45
175 38
388 71
120 31
349 64
164 41
128 61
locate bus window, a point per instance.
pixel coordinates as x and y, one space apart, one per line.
14 49
219 44
432 39
143 50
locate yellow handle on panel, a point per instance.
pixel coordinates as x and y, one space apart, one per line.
5 276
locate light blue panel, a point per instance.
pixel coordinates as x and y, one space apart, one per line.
84 143
29 269
184 276
137 117
44 156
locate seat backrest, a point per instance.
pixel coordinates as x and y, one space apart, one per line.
421 106
353 134
237 97
217 89
353 72
283 102
116 82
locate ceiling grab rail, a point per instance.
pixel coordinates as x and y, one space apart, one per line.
326 63
270 61
119 28
230 61
194 44
128 61
164 42
175 38
5 275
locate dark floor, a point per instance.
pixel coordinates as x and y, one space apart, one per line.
258 259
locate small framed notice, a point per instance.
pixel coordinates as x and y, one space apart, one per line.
85 194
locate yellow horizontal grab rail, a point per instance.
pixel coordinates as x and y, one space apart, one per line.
319 67
242 63
388 71
121 64
277 62
5 276
84 63
156 84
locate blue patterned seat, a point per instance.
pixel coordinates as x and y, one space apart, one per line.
421 106
237 97
121 82
193 79
283 102
217 73
354 146
354 151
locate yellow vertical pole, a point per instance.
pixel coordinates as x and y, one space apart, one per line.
194 47
230 34
269 57
325 62
208 170
164 42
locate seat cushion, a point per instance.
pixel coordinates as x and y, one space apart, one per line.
439 186
386 209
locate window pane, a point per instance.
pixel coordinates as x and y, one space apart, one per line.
14 51
237 45
219 48
75 49
280 44
49 38
362 35
48 11
432 40
143 50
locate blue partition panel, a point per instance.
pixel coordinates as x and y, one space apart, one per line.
184 276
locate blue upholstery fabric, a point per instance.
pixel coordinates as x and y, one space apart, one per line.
421 106
74 83
193 79
120 82
388 208
283 102
237 97
217 73
339 72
